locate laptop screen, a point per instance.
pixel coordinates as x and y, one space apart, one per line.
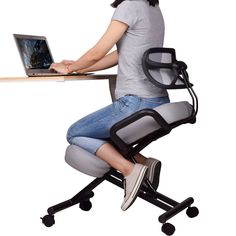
35 53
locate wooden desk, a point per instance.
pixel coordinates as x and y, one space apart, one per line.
58 78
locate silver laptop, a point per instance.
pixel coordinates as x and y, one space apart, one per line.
36 55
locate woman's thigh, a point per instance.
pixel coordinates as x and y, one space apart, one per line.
153 102
98 124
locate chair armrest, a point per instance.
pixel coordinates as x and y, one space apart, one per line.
156 118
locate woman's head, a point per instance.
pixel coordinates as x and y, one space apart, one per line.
118 2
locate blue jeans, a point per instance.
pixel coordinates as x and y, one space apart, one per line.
92 131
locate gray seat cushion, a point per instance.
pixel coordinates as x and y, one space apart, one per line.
171 112
89 164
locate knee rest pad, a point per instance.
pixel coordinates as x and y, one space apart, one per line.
85 162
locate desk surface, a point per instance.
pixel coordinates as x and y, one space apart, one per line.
58 78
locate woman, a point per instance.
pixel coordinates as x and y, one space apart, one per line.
136 26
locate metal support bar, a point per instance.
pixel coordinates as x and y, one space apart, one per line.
175 210
84 194
154 201
166 199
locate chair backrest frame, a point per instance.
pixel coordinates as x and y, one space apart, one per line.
179 78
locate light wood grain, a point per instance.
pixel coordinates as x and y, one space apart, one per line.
58 78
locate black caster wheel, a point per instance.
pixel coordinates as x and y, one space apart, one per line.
48 220
85 205
192 212
168 229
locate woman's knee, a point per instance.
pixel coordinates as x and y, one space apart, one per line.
78 129
72 132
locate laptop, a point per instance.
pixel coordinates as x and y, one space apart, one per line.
36 56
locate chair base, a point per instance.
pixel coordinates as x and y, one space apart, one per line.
170 206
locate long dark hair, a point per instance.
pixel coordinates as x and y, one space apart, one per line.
116 3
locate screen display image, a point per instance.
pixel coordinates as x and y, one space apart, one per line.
35 53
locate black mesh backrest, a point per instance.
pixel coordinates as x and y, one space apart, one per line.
162 69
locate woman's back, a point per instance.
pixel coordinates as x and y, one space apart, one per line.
146 30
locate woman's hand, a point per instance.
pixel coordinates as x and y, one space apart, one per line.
62 66
59 67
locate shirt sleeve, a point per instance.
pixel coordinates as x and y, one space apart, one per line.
126 12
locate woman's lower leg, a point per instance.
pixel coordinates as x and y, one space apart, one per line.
109 154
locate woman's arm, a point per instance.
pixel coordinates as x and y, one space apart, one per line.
106 62
113 34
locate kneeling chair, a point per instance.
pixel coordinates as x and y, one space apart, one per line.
134 133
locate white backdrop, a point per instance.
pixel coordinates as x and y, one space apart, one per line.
198 160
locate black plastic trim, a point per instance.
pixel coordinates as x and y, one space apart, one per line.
126 148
